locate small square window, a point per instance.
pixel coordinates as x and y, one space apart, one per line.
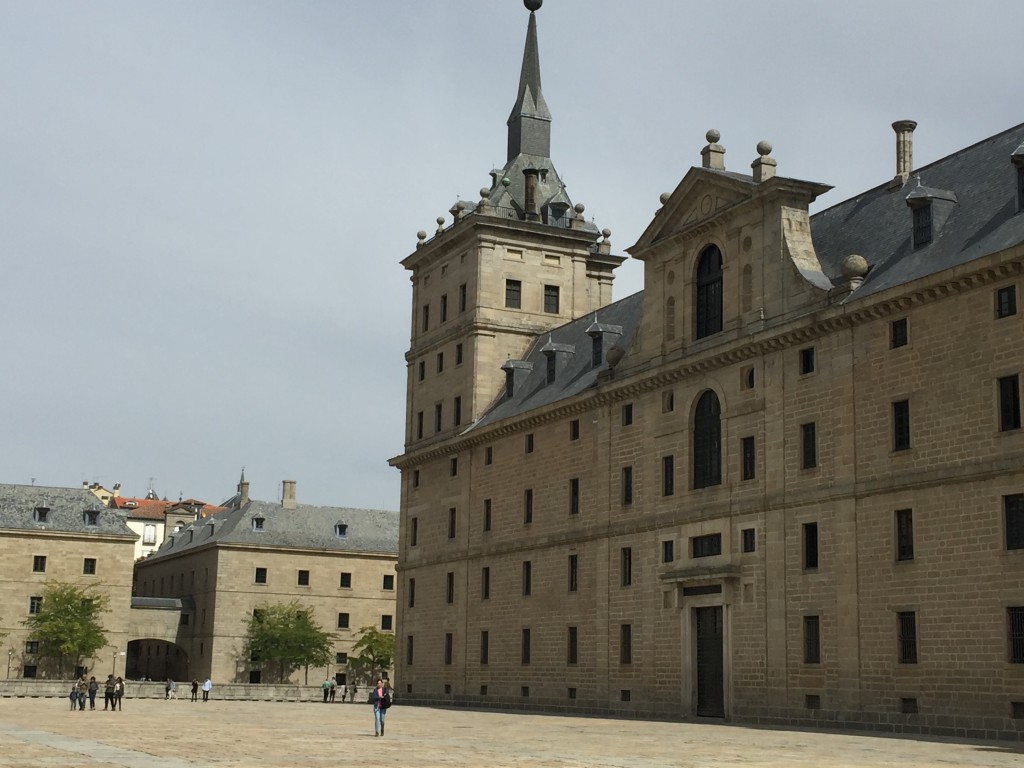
625 695
898 333
31 647
1006 301
812 701
345 582
388 582
574 429
39 564
89 566
257 523
513 294
35 604
571 693
342 621
340 657
749 539
385 622
627 414
806 361
303 580
260 576
668 551
908 706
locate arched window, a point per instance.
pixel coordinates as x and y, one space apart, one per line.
670 319
707 441
709 292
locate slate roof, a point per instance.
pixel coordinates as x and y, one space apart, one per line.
578 374
305 527
877 223
66 507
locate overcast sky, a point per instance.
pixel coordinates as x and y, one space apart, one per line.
203 205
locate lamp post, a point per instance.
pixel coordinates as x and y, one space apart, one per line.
10 656
113 662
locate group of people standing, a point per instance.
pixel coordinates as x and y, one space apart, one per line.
113 692
171 689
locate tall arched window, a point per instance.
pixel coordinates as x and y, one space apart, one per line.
709 292
707 441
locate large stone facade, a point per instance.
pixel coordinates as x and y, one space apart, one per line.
785 483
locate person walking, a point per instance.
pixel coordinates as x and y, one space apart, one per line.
118 693
108 693
381 701
207 686
74 695
93 688
334 690
326 686
172 689
352 693
83 691
195 689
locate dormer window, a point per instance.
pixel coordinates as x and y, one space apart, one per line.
1020 187
41 514
551 368
922 225
341 530
596 350
210 525
91 517
510 383
257 523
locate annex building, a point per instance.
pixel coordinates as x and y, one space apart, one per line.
784 483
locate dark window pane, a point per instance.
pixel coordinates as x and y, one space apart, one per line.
709 292
922 225
898 335
808 446
907 628
1006 301
901 425
810 531
1009 403
1013 508
513 294
707 546
707 442
812 640
904 534
749 458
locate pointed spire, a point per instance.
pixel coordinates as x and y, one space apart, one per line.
529 124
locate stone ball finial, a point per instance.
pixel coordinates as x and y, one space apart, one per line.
533 5
505 181
854 265
421 236
712 136
579 208
606 233
663 197
440 221
764 148
615 355
460 206
484 193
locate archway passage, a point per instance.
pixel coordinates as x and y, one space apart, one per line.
156 659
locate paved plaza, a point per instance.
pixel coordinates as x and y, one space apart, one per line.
179 734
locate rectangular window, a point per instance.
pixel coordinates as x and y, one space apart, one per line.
627 414
452 519
488 456
388 583
487 515
528 443
385 622
1020 187
596 349
485 643
626 566
574 429
922 215
1013 509
408 650
898 335
625 643
462 298
528 506
149 534
1006 301
627 485
89 566
1009 403
806 361
458 354
708 545
904 534
1015 627
749 539
342 621
35 604
907 636
414 529
574 573
31 647
39 564
449 647
444 307
421 369
808 446
345 580
440 362
419 425
574 496
513 294
668 479
261 576
341 658
551 367
810 531
527 578
415 478
668 551
485 583
453 466
437 417
749 458
551 299
901 425
812 640
303 579
572 646
412 593
449 587
426 318
525 646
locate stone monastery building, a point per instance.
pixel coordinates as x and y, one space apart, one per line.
784 483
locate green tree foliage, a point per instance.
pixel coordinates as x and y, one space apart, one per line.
285 636
67 626
372 655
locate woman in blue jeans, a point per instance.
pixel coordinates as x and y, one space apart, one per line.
380 705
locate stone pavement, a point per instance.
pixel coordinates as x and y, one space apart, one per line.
179 734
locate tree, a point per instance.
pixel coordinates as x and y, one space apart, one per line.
285 635
67 625
372 655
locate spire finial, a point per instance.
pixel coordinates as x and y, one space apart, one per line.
529 124
533 5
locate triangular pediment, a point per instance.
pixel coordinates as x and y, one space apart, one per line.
702 195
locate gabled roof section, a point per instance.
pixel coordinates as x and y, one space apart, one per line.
305 527
65 507
877 224
579 374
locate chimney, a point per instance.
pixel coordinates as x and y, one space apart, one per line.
530 204
288 494
243 492
904 151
